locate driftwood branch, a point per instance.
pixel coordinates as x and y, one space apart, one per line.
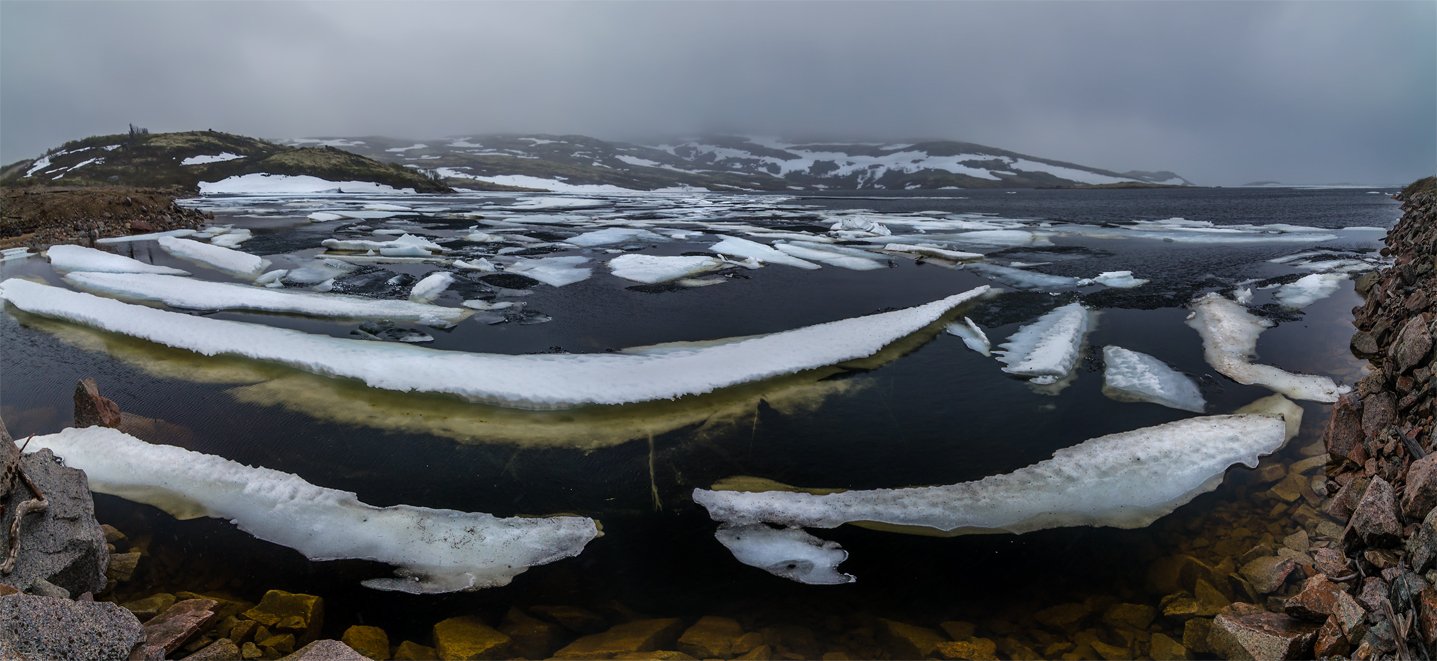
38 503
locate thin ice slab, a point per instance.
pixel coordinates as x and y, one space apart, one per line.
535 381
1229 340
1124 480
433 550
234 262
1131 376
1046 350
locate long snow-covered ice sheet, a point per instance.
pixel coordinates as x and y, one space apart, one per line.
1229 340
1125 480
194 294
80 258
540 381
433 550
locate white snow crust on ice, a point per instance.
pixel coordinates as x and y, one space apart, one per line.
1047 349
732 246
323 217
973 337
1309 289
1124 480
258 183
532 381
191 294
317 271
1131 376
231 238
859 226
553 271
230 261
551 203
210 158
788 553
822 255
431 286
1229 338
79 258
433 550
653 269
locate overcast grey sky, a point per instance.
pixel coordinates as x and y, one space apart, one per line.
1221 92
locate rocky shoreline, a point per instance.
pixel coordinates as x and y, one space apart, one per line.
1381 442
38 217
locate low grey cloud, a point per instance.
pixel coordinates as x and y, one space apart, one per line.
1221 92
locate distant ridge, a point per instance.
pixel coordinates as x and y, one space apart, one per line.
576 163
185 159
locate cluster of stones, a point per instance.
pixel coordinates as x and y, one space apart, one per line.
1381 441
47 216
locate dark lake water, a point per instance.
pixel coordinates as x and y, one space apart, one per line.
937 414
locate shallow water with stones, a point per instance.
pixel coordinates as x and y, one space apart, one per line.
938 413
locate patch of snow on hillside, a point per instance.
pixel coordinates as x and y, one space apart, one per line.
400 150
215 158
635 160
259 183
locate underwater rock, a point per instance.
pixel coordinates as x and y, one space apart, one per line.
635 636
300 614
1246 631
171 628
371 642
325 650
711 637
468 637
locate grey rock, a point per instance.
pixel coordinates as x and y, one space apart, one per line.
1412 345
51 628
1374 520
325 650
63 544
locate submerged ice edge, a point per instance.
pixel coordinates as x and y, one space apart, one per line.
533 381
433 550
1123 480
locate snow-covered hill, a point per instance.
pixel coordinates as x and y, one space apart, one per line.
582 164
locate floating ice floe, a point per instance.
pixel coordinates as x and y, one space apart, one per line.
973 336
653 269
928 250
231 238
405 245
323 217
318 271
208 158
1124 480
433 550
1309 289
480 264
1229 338
144 237
191 294
856 226
553 271
431 286
611 235
789 553
732 246
1003 238
535 381
79 258
284 184
1130 376
824 255
1046 350
234 262
8 254
1024 279
552 203
1116 279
